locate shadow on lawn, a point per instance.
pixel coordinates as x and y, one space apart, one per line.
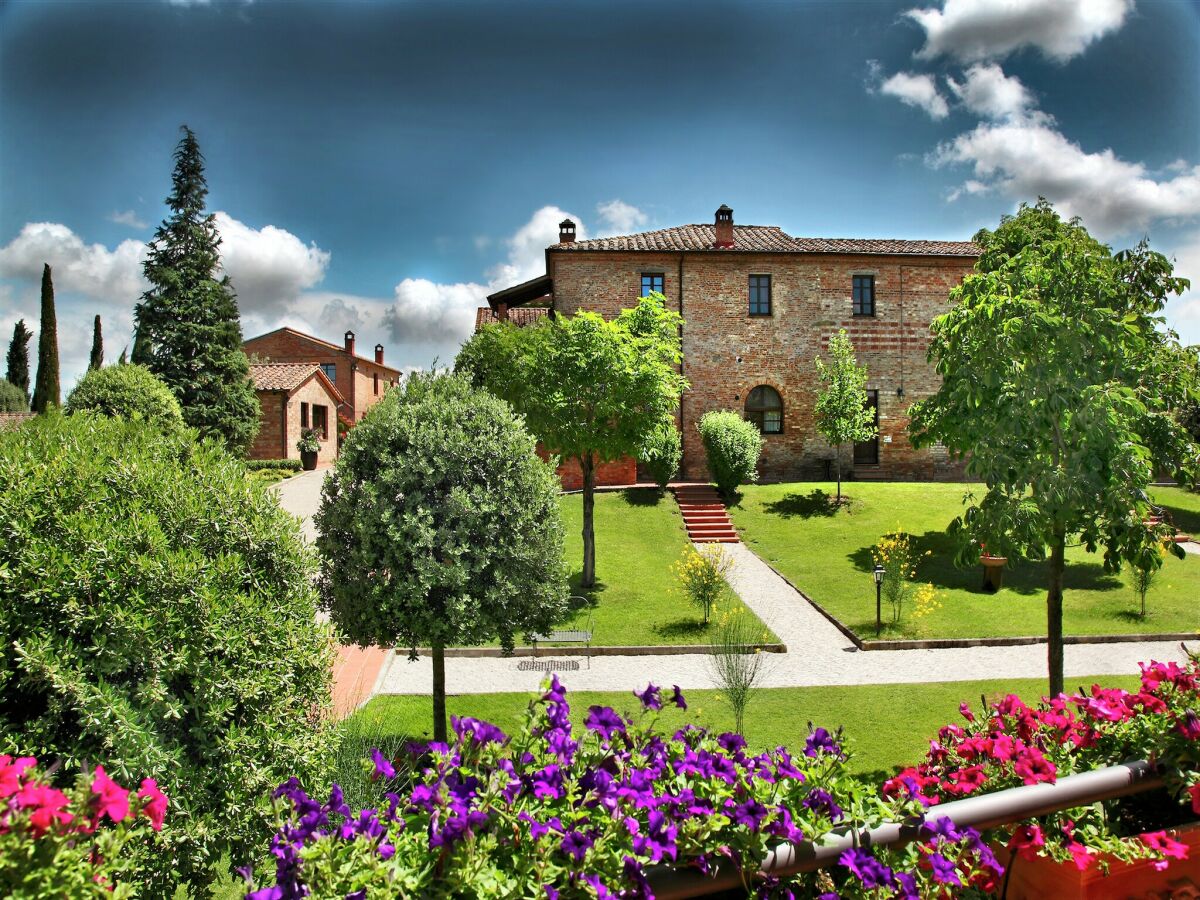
688 627
1022 577
804 506
1187 520
642 496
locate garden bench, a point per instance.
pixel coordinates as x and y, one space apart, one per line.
574 636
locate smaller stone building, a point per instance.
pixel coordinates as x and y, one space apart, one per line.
360 381
292 397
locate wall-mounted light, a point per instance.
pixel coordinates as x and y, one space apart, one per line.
900 392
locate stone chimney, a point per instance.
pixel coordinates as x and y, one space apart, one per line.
724 227
379 353
350 342
566 232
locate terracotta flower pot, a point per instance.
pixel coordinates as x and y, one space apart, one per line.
1038 878
993 572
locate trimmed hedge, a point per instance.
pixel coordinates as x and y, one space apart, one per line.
12 398
733 447
286 465
157 612
127 392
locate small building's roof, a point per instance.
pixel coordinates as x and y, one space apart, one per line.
288 377
763 239
525 292
521 315
326 344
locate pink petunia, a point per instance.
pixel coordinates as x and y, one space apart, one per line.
47 806
1027 840
155 808
1194 790
1032 767
1170 848
11 772
113 800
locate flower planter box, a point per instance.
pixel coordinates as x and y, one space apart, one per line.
1033 879
993 572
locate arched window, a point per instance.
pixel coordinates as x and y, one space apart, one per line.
765 409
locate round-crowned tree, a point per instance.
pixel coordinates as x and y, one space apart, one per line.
440 525
126 392
158 615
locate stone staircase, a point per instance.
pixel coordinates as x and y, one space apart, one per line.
704 514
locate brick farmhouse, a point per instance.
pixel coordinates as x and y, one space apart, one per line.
292 397
759 306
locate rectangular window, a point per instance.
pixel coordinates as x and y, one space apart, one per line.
760 295
303 415
376 377
864 295
330 370
321 420
651 281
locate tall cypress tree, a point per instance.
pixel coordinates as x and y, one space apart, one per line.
18 357
189 317
97 358
45 388
141 348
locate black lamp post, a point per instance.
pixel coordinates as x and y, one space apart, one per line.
878 573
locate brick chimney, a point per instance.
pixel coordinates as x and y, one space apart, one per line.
724 227
350 342
566 232
379 353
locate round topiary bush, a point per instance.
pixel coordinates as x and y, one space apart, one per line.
157 613
126 392
12 398
733 447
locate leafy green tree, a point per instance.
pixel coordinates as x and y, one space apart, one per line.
439 525
158 615
96 359
189 317
1062 389
662 453
12 398
126 392
18 358
590 390
45 388
842 414
732 447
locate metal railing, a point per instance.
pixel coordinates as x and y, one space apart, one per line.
983 811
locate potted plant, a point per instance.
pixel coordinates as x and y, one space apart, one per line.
993 569
1125 847
309 446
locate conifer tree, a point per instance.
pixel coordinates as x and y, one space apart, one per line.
45 389
189 317
124 357
141 348
97 358
18 358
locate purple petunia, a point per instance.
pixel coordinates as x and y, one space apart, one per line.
822 801
750 813
943 870
821 741
649 697
605 721
866 868
677 697
383 765
576 844
477 730
659 839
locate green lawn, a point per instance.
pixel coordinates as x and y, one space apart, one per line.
887 726
639 536
827 555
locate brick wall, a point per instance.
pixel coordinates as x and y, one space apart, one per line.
314 394
279 423
269 442
727 352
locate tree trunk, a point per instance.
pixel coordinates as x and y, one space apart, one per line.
1054 613
439 691
587 464
837 458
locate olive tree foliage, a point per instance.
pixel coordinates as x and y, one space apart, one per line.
439 526
157 615
842 415
127 392
1064 391
590 389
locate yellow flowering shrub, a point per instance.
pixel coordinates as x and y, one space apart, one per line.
701 575
895 552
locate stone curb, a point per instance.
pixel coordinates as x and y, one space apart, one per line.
959 643
549 651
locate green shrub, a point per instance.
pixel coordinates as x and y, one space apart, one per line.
126 392
12 398
287 465
733 447
157 612
662 453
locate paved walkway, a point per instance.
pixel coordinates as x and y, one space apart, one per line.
818 654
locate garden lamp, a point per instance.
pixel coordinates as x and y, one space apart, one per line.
878 573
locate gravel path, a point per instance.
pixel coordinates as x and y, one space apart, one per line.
818 654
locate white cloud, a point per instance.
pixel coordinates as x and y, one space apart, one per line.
1183 312
269 266
975 30
91 269
917 90
619 217
126 217
527 247
1025 159
988 92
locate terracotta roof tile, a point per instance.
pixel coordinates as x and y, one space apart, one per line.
765 239
520 315
281 376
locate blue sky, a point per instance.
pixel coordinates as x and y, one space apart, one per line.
384 165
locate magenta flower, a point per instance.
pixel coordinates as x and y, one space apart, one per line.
11 772
47 804
155 808
112 799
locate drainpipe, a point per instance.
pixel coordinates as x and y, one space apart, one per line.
682 362
981 812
